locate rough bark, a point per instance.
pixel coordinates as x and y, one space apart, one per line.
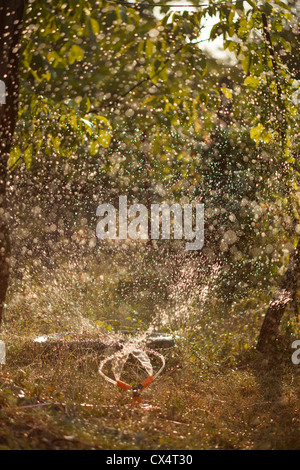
11 15
284 294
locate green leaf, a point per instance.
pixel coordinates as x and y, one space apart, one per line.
217 30
163 74
227 92
128 46
277 25
260 134
251 81
149 48
282 5
102 119
286 44
203 64
94 147
256 132
123 14
187 27
246 61
245 27
203 98
14 156
28 157
104 138
148 100
153 73
85 105
267 8
158 71
94 25
88 125
76 53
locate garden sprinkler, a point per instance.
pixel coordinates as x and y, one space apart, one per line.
142 356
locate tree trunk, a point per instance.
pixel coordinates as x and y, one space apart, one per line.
11 15
284 294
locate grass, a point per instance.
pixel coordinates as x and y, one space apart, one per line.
254 405
217 391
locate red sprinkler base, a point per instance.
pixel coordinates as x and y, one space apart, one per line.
136 389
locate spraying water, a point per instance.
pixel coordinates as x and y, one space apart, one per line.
184 292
